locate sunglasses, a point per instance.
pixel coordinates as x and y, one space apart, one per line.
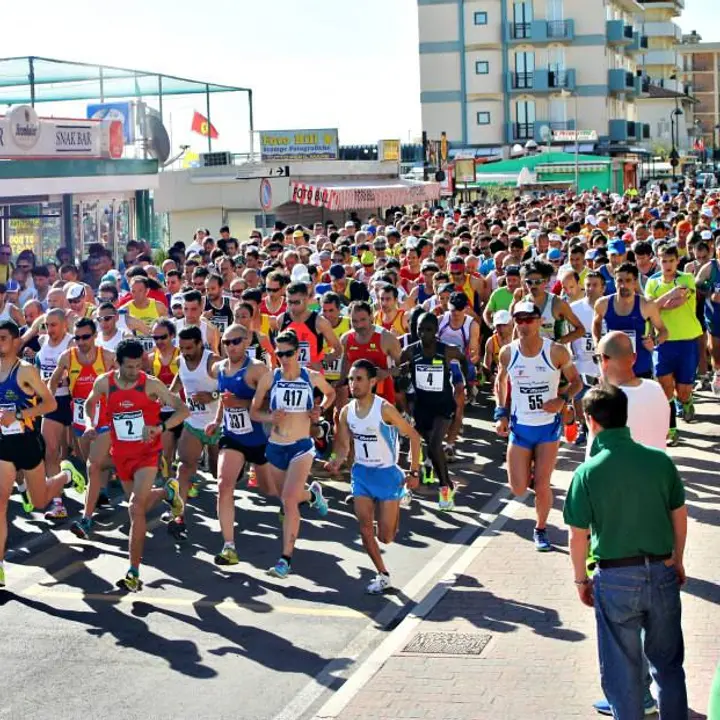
273 290
285 353
237 293
78 338
599 357
535 283
158 338
76 301
234 341
106 318
524 319
295 302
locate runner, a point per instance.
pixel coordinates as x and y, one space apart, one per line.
533 364
199 382
290 449
260 347
390 316
192 315
144 308
110 334
377 480
502 335
218 307
708 280
24 397
243 440
133 404
427 362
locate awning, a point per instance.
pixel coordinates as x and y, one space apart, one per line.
356 195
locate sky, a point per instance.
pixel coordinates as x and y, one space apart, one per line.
344 64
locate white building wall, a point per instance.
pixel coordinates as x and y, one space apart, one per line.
440 71
438 23
442 117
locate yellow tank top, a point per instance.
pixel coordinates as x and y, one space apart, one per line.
171 368
469 291
332 368
395 327
265 325
147 315
86 373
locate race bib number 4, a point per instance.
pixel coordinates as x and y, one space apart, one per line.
15 428
237 421
129 426
430 378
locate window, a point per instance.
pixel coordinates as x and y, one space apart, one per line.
480 18
483 118
482 67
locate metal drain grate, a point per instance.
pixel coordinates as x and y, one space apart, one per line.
447 643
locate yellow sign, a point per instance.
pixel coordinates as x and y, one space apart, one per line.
24 235
389 150
465 170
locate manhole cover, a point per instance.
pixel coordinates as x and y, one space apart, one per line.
448 643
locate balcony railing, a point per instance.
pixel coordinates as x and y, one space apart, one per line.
522 81
558 79
558 29
523 131
520 31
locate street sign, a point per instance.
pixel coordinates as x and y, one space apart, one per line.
277 171
265 194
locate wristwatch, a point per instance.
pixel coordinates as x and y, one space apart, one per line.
414 473
215 394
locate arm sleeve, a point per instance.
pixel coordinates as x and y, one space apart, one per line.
577 511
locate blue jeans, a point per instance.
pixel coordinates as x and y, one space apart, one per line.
628 601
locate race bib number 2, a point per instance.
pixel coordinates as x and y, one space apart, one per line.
129 426
304 353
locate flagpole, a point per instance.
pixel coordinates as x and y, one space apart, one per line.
209 122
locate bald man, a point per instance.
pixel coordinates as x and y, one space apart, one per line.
648 410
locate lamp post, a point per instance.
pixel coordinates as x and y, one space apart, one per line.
566 94
674 153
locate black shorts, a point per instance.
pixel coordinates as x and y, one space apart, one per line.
63 413
24 450
424 421
254 454
177 430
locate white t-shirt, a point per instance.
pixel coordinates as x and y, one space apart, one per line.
648 415
584 348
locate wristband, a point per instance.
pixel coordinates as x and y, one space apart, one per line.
501 412
584 581
163 426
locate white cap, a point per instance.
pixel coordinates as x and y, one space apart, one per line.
74 291
177 299
298 272
501 317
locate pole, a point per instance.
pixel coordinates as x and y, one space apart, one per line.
252 124
102 86
160 97
577 147
672 140
207 113
31 79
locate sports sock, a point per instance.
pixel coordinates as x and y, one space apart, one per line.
673 414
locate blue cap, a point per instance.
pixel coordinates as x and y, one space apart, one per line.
616 247
371 230
554 254
12 286
655 213
591 254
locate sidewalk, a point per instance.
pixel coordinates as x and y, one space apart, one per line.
540 659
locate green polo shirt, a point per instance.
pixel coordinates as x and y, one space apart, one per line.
625 493
501 299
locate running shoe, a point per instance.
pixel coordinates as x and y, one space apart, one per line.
76 477
27 503
689 411
650 707
81 528
446 500
672 437
427 475
320 503
194 491
227 556
57 510
379 585
177 506
131 582
166 517
349 499
406 499
581 438
2 577
103 502
540 538
178 529
715 385
281 569
450 455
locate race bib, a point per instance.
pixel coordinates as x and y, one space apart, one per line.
237 421
367 450
333 367
15 428
304 353
220 322
292 398
251 352
196 407
129 426
633 338
46 371
589 343
430 378
79 412
147 343
534 397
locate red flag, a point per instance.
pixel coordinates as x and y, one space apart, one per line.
201 126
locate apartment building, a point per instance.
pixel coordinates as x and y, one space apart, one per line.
701 69
495 72
662 61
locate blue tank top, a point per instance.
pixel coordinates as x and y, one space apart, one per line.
633 325
12 399
423 294
291 395
609 280
237 424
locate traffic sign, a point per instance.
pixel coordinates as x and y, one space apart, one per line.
265 194
277 171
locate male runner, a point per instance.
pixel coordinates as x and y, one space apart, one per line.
110 334
533 364
377 480
193 305
23 398
218 307
133 405
391 316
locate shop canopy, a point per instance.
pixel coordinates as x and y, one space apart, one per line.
358 195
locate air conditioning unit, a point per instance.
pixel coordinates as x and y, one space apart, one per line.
216 159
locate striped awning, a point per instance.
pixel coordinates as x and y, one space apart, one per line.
355 195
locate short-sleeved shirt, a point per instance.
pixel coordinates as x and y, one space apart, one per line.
625 494
501 299
681 322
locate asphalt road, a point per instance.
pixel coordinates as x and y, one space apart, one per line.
208 642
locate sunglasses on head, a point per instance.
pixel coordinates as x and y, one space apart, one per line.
285 353
234 341
524 319
78 338
158 338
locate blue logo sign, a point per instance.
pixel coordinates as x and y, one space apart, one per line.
122 111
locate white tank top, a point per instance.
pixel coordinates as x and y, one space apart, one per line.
584 348
195 381
534 381
112 343
181 323
458 338
47 360
376 442
5 314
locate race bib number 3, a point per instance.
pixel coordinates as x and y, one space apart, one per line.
196 407
237 421
15 428
430 378
79 412
129 426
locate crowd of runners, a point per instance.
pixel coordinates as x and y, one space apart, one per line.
264 359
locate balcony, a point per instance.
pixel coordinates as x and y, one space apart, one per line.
522 132
639 44
660 57
540 32
625 131
642 85
618 33
663 29
621 81
541 81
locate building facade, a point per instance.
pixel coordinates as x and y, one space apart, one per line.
701 69
495 73
662 61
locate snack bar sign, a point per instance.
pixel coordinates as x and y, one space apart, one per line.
284 145
24 135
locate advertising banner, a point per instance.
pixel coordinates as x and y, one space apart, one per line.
284 145
122 111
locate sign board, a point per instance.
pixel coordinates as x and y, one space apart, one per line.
284 145
265 194
24 135
122 111
389 151
263 171
570 136
464 171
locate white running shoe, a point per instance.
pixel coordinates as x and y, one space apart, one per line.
379 585
406 499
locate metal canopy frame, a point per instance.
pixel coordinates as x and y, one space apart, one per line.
33 79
